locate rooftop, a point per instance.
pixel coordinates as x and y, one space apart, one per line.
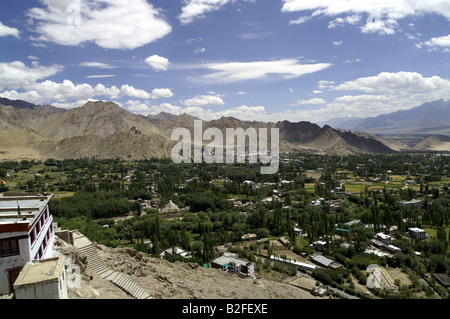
415 229
222 260
30 208
40 271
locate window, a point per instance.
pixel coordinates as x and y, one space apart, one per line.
32 236
9 247
38 227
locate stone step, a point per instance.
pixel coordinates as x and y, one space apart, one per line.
96 264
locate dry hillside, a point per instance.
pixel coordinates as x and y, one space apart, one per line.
165 280
105 130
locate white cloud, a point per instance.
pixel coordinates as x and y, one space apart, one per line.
18 81
100 76
326 84
383 16
338 43
383 27
98 65
200 50
300 20
133 92
240 71
162 93
8 31
314 101
437 42
158 63
203 101
196 9
49 92
138 107
339 22
16 74
110 24
400 83
242 112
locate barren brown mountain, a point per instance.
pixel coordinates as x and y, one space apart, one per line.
105 130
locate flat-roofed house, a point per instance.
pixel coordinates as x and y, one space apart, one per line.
42 279
234 265
383 238
415 232
26 234
325 262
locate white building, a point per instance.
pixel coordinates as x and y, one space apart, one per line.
383 238
415 232
26 234
235 265
42 279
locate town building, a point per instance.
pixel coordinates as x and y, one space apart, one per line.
415 203
301 265
415 232
319 245
325 262
170 208
249 237
42 279
234 265
383 238
298 231
26 234
442 279
176 251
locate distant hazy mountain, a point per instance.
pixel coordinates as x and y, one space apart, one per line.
429 118
346 123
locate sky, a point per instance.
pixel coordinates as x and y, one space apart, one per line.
264 60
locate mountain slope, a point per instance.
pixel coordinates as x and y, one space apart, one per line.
428 118
105 130
102 119
131 145
434 143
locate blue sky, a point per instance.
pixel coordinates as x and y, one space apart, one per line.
267 60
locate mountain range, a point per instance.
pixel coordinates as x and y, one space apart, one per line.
105 130
431 118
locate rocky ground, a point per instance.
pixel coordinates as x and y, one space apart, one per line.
165 280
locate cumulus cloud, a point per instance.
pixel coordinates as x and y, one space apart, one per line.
242 112
158 63
8 31
240 71
162 93
110 24
133 92
18 81
436 43
196 9
16 74
203 101
400 83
